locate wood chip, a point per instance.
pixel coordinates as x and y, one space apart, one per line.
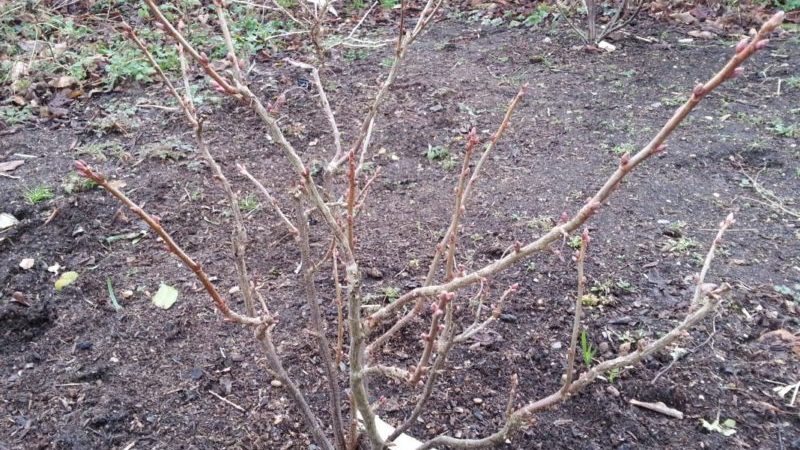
659 407
8 166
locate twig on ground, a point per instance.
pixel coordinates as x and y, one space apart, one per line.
658 407
227 401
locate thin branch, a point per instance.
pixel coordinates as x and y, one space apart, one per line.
326 106
289 225
264 337
496 311
614 25
571 24
362 139
438 310
221 81
226 34
476 173
576 321
627 163
366 14
324 346
239 233
339 309
188 108
712 299
444 346
187 91
222 305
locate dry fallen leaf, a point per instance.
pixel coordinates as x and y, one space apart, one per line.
702 34
8 166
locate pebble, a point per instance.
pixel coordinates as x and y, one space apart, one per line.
84 346
510 318
477 400
196 373
556 345
613 391
276 383
602 348
237 357
374 273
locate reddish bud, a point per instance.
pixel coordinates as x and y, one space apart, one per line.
472 137
440 328
447 296
514 288
762 44
216 86
698 91
437 312
585 236
737 72
203 59
425 336
85 171
181 25
564 217
658 149
742 45
126 28
517 247
626 158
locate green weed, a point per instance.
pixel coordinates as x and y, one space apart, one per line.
37 194
587 350
621 149
11 115
783 130
249 203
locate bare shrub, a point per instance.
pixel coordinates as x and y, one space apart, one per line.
446 284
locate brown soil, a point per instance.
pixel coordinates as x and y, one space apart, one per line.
75 374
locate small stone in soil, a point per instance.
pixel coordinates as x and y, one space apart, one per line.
84 346
374 273
477 400
276 383
196 373
510 318
613 391
556 345
237 357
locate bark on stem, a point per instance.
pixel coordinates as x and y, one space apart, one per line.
576 322
323 344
